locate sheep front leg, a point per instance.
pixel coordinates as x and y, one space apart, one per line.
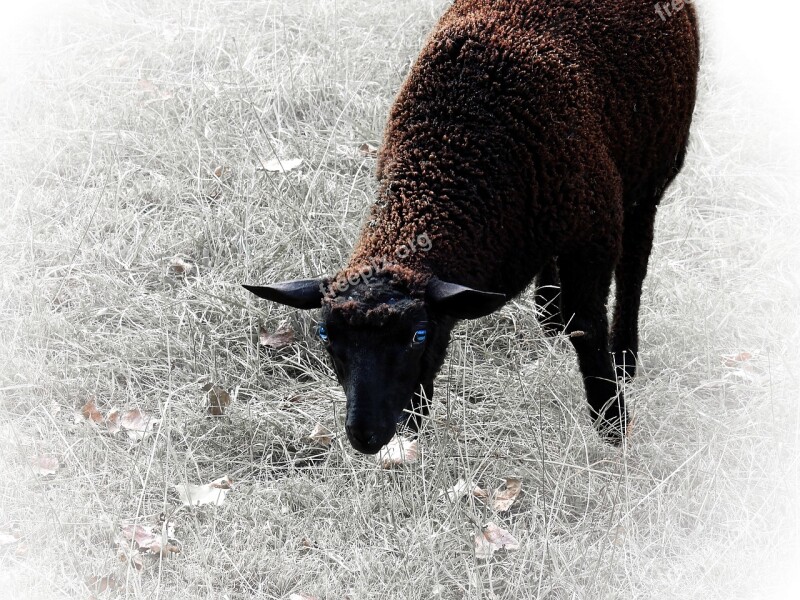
585 284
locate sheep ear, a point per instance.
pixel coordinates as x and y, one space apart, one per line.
460 301
300 293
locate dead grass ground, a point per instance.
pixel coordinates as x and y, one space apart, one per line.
133 133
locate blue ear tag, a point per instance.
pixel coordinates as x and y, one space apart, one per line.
420 335
322 332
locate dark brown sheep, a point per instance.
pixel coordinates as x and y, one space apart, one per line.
530 139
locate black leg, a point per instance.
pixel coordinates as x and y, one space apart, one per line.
547 292
585 284
630 274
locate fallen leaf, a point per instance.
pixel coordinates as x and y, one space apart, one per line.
462 488
275 164
617 535
302 597
368 149
210 493
112 421
504 497
218 171
321 435
735 360
398 451
218 399
90 412
743 368
137 424
102 584
145 85
306 545
134 560
119 61
280 338
179 267
491 539
7 538
44 464
145 539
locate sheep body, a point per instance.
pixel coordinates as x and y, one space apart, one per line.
525 126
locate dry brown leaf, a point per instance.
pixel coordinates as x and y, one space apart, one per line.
399 451
148 88
307 545
180 268
504 497
743 367
282 337
491 539
302 597
210 493
112 421
137 423
44 464
90 413
368 149
98 585
145 540
218 171
218 399
278 165
735 360
321 435
145 85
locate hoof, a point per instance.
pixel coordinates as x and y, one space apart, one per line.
612 425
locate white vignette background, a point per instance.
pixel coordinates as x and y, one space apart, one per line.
757 63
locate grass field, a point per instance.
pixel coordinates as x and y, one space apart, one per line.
135 201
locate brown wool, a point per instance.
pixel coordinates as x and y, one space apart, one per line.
523 128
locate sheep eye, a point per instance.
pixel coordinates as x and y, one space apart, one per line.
420 335
322 332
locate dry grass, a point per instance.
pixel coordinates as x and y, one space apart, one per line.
107 179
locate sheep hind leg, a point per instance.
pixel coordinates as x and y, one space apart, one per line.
630 273
547 292
585 285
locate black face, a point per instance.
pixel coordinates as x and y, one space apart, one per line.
385 342
378 346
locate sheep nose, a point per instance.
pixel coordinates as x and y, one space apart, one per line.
364 440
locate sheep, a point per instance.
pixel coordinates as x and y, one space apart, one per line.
531 140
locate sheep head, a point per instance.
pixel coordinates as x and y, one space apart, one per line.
387 335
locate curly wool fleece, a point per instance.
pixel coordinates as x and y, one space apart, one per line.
525 126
